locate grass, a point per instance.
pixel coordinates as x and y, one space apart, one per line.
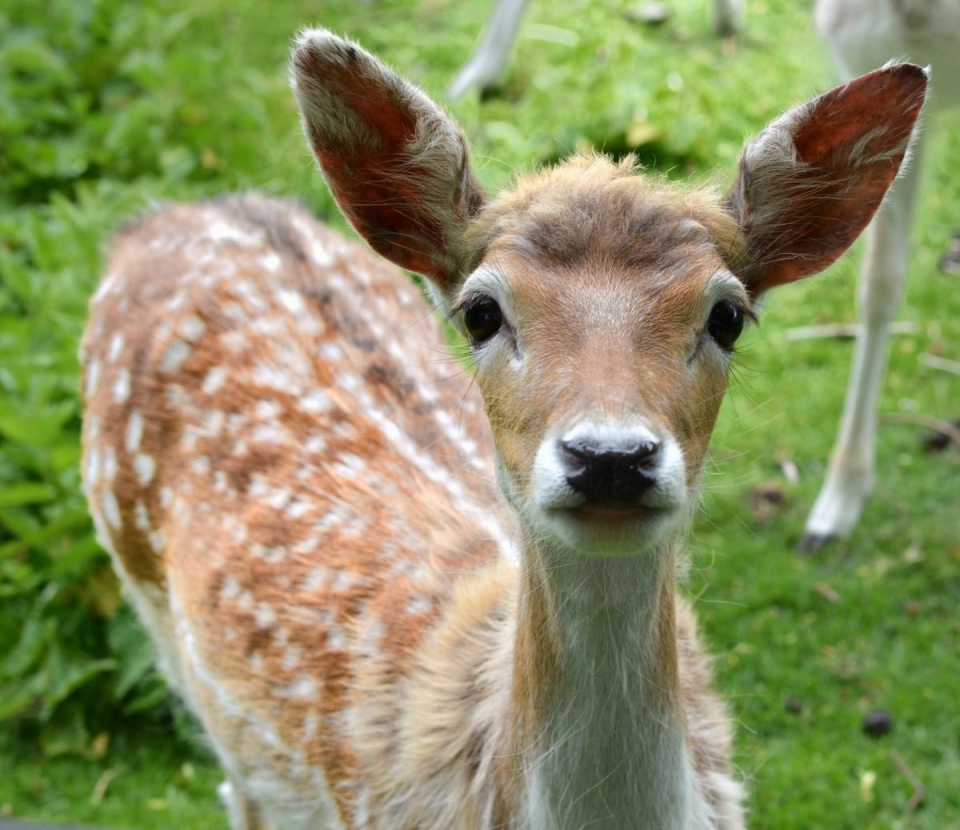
172 101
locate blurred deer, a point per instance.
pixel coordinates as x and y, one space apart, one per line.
863 34
490 59
297 490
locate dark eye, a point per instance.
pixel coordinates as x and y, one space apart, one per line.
725 324
482 318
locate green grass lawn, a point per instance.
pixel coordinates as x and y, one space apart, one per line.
107 107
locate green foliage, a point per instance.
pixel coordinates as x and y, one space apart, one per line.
102 111
69 653
106 107
93 89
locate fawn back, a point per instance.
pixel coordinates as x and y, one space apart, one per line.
258 390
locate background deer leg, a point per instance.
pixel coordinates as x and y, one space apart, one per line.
883 278
490 59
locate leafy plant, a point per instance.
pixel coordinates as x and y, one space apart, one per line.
102 112
69 651
93 89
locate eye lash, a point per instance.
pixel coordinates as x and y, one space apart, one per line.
464 304
749 314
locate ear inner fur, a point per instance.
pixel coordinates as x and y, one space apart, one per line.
397 165
812 180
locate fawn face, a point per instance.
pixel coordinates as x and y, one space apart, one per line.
602 306
602 370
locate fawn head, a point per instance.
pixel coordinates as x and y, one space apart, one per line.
601 305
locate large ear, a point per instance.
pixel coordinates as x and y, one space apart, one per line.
812 180
395 161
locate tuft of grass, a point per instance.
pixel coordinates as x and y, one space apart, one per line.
109 107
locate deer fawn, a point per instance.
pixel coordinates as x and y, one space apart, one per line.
862 34
297 488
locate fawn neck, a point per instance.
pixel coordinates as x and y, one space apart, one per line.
596 689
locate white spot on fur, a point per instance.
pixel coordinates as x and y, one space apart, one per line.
319 254
106 287
342 582
268 434
121 386
134 431
331 352
238 535
141 517
349 466
279 498
265 616
145 467
273 377
349 380
200 465
213 423
92 468
175 356
267 410
311 725
271 262
316 402
166 497
234 341
111 509
93 377
234 311
316 579
299 509
230 589
291 301
269 327
109 463
304 688
192 328
92 426
116 347
214 380
221 231
315 444
158 541
418 605
291 658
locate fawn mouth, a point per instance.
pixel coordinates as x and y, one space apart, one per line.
613 516
610 530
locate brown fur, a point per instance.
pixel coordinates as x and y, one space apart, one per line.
252 585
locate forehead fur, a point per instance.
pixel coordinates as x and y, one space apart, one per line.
592 206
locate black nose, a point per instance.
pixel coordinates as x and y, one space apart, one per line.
609 477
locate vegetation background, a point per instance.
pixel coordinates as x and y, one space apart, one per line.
107 107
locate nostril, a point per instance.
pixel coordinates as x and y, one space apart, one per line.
584 450
644 451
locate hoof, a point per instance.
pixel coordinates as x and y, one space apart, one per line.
811 543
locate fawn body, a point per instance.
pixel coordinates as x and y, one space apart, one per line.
297 487
863 34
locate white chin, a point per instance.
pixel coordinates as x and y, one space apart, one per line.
608 533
